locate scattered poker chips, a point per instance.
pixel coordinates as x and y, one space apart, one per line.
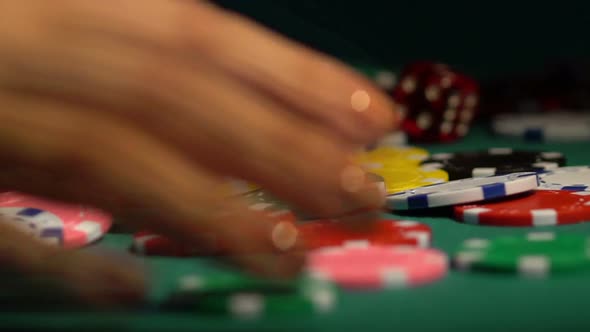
391 157
243 297
330 233
537 254
494 161
573 178
550 126
463 191
377 267
404 178
66 225
539 208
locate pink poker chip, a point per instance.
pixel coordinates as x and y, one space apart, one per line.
376 267
68 225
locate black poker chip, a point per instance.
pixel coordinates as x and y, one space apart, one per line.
494 161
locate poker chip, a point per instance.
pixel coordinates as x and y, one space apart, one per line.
391 157
243 297
539 208
463 191
66 225
536 254
402 178
550 126
572 178
494 161
328 233
376 267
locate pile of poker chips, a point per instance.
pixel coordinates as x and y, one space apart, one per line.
497 186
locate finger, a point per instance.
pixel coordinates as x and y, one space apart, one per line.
90 278
156 188
206 114
318 86
313 84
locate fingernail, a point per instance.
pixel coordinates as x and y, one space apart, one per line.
352 178
284 236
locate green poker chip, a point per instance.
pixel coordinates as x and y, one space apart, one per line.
536 254
243 297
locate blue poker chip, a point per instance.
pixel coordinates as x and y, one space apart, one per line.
572 178
463 191
38 223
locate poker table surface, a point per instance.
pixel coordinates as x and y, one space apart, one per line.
460 301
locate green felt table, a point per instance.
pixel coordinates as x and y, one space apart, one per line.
461 301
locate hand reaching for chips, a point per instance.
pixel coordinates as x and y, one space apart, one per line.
141 108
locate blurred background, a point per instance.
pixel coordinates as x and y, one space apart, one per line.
484 39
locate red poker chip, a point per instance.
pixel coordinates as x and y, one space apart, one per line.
329 233
377 267
540 208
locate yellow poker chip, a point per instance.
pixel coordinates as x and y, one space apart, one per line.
391 157
410 177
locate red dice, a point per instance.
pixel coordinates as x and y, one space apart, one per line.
438 103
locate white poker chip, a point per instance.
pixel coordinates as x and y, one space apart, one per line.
463 191
572 178
554 126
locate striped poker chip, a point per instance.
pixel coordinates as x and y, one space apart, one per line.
327 233
532 255
538 208
572 178
80 225
494 161
377 267
463 191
